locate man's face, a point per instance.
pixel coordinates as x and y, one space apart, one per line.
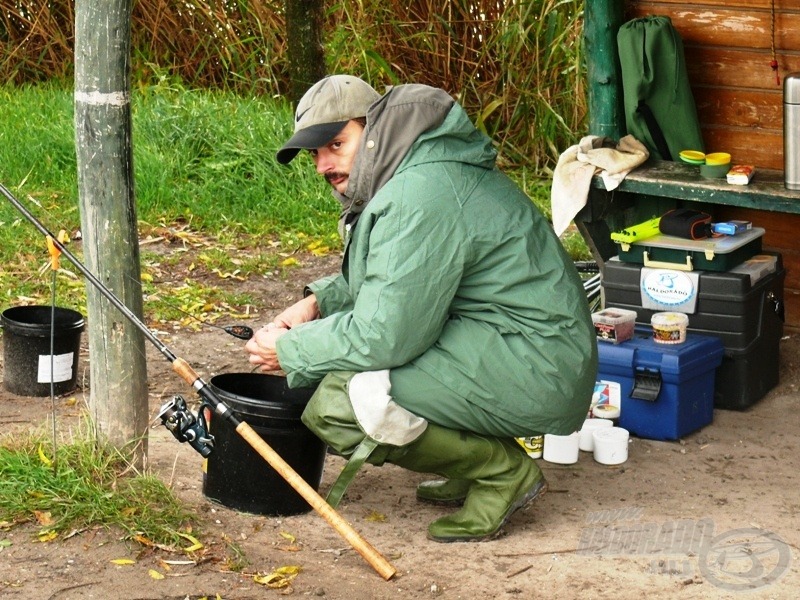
335 159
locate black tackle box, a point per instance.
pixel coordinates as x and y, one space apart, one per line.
743 307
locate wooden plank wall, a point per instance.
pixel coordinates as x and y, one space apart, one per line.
729 46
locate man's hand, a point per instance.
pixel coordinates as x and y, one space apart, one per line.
262 347
300 312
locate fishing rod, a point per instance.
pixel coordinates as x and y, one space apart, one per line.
185 427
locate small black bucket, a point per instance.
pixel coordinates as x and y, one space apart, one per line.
236 475
26 349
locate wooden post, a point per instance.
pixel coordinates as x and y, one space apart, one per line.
304 19
118 398
603 19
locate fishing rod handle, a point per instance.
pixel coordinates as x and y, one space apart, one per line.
317 502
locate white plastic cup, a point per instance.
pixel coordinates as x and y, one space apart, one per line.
586 441
561 449
610 445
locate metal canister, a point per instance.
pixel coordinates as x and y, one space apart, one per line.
791 131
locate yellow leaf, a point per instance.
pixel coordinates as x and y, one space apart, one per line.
47 535
71 401
196 545
289 262
376 517
123 561
279 578
155 574
43 458
147 277
43 517
288 536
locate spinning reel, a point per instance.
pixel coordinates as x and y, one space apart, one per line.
186 426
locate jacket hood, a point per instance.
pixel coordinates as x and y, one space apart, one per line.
410 116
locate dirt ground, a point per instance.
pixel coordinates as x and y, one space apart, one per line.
713 515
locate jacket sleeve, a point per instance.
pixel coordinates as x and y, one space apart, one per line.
332 294
413 265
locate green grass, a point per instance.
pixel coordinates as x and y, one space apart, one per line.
84 485
202 159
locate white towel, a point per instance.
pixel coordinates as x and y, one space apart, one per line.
579 163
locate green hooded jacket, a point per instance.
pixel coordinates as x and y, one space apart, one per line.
452 270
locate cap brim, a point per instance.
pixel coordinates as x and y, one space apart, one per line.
314 136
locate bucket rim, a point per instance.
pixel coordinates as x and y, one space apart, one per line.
67 320
287 403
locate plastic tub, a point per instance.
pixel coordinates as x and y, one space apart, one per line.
669 327
561 449
610 445
614 324
586 442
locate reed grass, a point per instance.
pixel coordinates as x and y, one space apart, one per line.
516 66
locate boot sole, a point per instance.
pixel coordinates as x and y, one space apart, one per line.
537 491
451 502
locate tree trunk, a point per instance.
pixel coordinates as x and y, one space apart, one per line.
603 19
304 42
118 398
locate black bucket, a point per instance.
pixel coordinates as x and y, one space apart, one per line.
236 475
26 349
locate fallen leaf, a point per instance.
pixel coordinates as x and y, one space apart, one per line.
196 544
288 536
47 535
289 262
46 461
123 561
155 574
146 542
43 517
375 517
279 578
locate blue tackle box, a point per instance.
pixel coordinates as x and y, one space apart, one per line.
665 390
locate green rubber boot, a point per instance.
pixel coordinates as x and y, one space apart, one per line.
447 492
502 479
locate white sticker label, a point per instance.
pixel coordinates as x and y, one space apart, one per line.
665 289
62 368
607 392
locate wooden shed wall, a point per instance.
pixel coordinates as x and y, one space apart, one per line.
728 46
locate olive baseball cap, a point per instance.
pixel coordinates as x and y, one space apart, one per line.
324 110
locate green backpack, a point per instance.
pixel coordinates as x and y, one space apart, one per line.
659 107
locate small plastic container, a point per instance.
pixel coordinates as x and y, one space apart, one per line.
561 449
606 410
614 324
669 327
610 445
533 445
586 441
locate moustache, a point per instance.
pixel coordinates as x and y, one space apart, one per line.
329 177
